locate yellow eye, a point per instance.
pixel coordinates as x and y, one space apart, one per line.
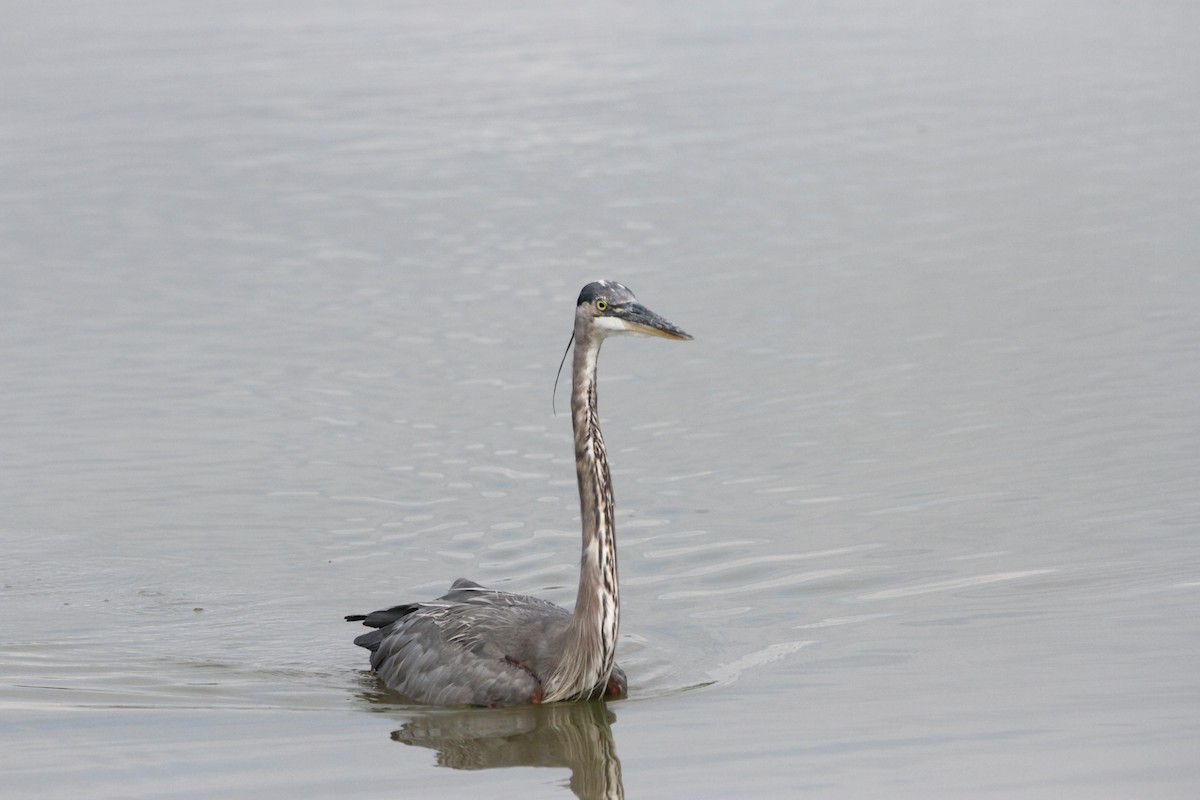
601 305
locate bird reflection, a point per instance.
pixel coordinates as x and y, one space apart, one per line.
577 736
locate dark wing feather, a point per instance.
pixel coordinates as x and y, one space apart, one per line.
472 646
467 591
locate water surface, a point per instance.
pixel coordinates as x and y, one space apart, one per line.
283 289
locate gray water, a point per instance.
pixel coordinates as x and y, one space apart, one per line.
283 289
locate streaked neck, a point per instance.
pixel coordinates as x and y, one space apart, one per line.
590 644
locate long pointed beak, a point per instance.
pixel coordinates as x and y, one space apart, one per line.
640 319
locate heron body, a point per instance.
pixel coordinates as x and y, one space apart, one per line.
485 647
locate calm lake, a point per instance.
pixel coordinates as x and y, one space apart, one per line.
283 290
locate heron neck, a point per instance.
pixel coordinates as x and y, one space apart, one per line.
590 643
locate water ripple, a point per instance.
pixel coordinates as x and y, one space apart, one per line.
510 473
729 673
952 584
402 503
758 586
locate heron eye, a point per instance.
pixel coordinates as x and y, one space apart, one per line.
601 305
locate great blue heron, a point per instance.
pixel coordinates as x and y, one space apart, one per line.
485 647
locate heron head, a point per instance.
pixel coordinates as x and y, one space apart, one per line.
609 307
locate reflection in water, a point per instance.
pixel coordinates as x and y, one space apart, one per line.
577 736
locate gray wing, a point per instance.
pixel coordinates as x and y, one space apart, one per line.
472 646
